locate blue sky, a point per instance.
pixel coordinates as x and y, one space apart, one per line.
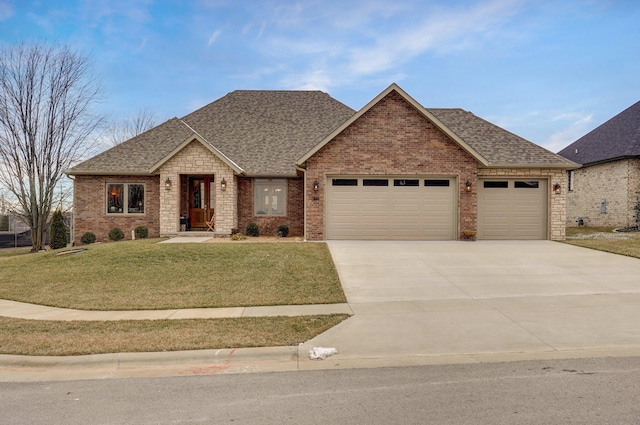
547 70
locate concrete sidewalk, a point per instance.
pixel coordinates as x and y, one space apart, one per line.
38 312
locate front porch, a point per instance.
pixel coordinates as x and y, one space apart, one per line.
198 187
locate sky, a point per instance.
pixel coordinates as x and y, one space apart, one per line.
547 70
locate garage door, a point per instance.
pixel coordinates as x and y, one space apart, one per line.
512 209
391 208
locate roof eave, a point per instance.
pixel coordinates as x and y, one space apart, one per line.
393 87
556 165
108 173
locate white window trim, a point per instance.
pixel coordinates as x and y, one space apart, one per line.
125 199
571 182
269 183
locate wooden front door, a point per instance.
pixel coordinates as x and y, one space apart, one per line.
201 200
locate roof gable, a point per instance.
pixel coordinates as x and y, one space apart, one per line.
617 138
490 145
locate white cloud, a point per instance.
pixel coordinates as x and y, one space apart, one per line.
214 37
443 30
373 38
6 10
577 125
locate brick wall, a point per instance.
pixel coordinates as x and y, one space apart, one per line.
90 207
557 202
269 225
391 138
617 182
195 159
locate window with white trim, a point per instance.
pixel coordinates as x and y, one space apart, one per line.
570 182
125 198
270 197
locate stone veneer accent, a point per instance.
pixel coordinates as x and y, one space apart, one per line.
557 202
90 207
391 138
195 159
618 182
268 225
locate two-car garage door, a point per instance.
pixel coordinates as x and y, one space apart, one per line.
381 207
426 208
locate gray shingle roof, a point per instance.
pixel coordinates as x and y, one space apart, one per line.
265 132
496 145
137 155
262 131
615 139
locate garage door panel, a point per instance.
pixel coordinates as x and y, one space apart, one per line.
391 212
512 209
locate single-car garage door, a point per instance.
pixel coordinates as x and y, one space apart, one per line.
512 209
381 207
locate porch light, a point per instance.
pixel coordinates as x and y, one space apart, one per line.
223 185
167 184
316 186
467 186
556 188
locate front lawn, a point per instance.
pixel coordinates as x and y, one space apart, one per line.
604 239
47 338
139 275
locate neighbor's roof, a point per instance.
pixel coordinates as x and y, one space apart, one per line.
615 139
263 132
490 145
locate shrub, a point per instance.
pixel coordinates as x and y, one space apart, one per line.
252 230
88 238
238 237
141 232
116 234
283 231
58 235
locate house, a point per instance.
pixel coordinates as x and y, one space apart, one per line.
605 191
392 170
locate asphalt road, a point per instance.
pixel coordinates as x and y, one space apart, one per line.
592 391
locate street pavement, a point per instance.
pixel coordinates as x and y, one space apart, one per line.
414 303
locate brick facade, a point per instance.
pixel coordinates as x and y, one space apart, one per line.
269 225
557 202
617 183
90 207
391 138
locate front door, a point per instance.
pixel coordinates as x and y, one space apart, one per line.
201 200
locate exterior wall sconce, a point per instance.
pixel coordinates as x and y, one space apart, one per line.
316 186
556 188
467 186
167 184
223 185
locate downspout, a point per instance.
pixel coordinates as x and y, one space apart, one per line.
304 195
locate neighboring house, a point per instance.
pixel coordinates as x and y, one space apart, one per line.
392 170
605 191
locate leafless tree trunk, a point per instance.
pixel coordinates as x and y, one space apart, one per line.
46 95
130 127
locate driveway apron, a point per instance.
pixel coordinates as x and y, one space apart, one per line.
482 298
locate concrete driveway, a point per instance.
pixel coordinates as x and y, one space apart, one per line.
433 302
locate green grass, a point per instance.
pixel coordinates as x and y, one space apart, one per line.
49 338
137 275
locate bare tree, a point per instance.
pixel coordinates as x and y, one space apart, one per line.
130 127
46 95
